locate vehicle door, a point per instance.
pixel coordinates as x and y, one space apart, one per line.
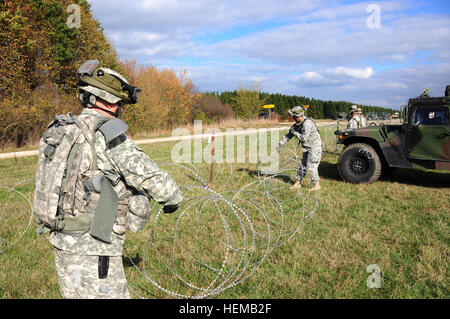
428 135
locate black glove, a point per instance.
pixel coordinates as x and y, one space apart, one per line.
170 208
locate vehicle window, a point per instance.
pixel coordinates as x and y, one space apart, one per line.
431 116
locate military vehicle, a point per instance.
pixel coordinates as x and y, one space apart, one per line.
421 141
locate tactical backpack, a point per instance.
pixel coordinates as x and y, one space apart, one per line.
60 150
71 195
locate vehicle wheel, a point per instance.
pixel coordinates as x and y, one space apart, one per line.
359 163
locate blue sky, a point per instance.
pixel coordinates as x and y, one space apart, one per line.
323 49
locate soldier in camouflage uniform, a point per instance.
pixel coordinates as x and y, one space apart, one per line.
354 120
86 266
362 118
306 131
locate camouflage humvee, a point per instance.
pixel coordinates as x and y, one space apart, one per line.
422 141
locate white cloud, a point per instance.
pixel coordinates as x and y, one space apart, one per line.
332 77
352 72
391 88
159 31
337 11
311 75
396 85
347 42
195 16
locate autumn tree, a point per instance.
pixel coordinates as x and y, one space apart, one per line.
39 54
37 44
167 99
212 108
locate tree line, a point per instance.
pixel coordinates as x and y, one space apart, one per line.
318 109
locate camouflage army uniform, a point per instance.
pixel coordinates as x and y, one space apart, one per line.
353 123
78 257
308 134
362 120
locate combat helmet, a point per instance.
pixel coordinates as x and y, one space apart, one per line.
297 111
105 84
353 109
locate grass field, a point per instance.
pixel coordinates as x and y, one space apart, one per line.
400 224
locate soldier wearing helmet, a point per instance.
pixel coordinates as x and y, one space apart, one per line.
89 264
105 85
362 118
306 131
354 120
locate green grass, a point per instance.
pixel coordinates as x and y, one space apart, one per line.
400 224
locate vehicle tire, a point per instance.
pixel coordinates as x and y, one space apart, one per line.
359 163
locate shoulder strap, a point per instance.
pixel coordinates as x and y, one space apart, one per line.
83 129
95 127
111 129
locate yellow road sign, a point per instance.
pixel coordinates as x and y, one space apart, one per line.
269 106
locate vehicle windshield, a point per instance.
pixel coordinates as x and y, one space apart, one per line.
431 116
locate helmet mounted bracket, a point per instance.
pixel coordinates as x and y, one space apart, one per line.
88 68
